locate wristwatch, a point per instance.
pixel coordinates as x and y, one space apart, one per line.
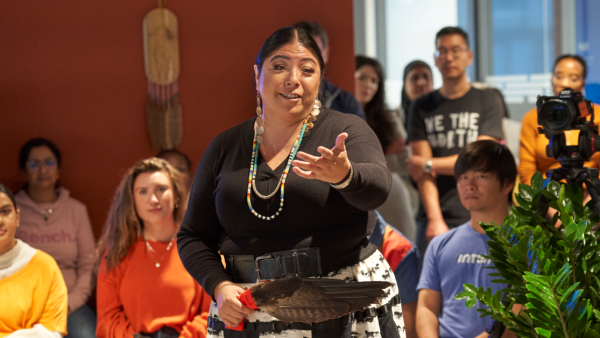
427 166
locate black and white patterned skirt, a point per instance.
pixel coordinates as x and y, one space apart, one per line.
382 320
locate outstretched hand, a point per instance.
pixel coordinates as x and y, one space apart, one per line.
332 166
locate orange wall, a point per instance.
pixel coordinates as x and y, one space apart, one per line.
72 71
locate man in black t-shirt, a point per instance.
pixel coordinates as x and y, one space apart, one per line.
441 123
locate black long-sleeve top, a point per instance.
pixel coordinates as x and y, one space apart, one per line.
314 214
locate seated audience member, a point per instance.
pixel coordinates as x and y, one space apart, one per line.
569 71
181 162
417 82
369 83
403 258
331 96
143 287
485 172
441 124
58 224
33 295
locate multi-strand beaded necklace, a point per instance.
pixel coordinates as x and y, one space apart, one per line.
281 183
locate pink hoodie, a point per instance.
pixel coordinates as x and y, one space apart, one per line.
63 230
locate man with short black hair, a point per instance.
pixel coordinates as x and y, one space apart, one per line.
331 96
485 172
442 123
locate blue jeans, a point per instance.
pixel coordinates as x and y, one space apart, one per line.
81 323
421 237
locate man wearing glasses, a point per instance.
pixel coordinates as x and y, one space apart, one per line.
442 123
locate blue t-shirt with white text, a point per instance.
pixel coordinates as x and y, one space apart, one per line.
452 259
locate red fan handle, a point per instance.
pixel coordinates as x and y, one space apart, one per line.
246 299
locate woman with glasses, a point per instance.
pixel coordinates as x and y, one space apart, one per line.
56 223
569 72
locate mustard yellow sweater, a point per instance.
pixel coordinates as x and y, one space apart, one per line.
35 294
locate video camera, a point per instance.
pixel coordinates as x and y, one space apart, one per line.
567 111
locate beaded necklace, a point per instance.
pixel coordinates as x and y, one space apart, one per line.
252 174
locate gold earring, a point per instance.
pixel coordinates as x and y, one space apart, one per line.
258 124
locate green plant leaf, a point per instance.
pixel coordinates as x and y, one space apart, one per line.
561 194
554 188
592 334
568 292
537 180
471 302
563 288
496 300
563 273
526 192
463 295
536 303
522 202
543 332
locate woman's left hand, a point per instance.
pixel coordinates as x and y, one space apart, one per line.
333 166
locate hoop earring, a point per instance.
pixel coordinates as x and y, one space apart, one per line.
258 124
312 117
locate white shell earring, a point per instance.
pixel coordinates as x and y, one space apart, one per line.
258 125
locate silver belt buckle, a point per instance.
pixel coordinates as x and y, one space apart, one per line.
256 260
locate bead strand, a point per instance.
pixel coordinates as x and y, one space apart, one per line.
252 175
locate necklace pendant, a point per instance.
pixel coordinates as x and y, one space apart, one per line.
158 265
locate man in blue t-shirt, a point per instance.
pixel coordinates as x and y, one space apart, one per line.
485 172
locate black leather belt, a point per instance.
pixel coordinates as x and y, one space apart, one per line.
283 264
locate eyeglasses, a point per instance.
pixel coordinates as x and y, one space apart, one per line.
48 163
455 52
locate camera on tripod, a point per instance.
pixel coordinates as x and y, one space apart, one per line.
568 111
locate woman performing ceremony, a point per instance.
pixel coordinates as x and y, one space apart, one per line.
289 194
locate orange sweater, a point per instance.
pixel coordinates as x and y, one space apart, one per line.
532 152
138 297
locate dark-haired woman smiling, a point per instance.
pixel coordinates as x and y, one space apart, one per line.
238 203
369 81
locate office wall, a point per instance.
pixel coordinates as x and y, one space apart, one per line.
72 71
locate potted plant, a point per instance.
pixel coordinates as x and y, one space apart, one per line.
552 267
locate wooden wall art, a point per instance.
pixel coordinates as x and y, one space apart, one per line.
161 60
